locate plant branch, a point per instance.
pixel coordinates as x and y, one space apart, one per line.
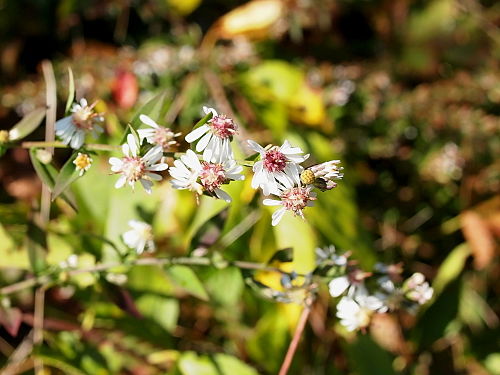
190 261
295 340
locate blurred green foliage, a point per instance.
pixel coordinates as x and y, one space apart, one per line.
406 94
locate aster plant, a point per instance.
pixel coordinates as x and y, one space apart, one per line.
152 153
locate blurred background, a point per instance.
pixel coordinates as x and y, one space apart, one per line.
405 92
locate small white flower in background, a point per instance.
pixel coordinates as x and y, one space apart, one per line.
198 176
82 163
355 311
277 164
116 278
293 197
140 237
70 262
323 175
329 254
133 167
215 137
157 135
351 282
417 289
73 129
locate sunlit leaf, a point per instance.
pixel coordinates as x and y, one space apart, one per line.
67 175
161 309
186 278
71 91
27 125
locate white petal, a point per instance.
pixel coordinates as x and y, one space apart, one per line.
147 185
158 167
196 133
132 144
154 176
338 286
77 140
256 147
148 121
277 215
120 182
271 202
207 110
203 142
115 161
223 195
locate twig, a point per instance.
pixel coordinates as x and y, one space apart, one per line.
192 261
295 340
50 120
57 144
38 325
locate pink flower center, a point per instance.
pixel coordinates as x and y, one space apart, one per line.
212 176
275 160
296 199
222 126
133 168
164 137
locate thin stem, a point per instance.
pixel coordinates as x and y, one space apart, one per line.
189 261
295 340
57 144
38 325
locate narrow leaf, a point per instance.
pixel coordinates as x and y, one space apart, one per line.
153 108
27 124
47 173
185 277
67 175
71 91
37 247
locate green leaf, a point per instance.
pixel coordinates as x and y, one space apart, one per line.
224 286
368 358
204 120
153 108
230 365
47 173
208 208
67 175
192 364
451 267
438 316
27 124
71 91
297 233
36 242
163 310
185 277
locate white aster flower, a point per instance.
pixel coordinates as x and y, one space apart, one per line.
323 175
140 237
204 176
157 135
277 164
82 163
72 129
293 197
133 167
215 137
417 289
356 311
329 254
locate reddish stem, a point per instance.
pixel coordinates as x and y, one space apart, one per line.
295 340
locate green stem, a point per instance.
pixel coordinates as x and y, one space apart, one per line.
189 261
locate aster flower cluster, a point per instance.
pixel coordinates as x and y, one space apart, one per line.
364 294
279 173
217 166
